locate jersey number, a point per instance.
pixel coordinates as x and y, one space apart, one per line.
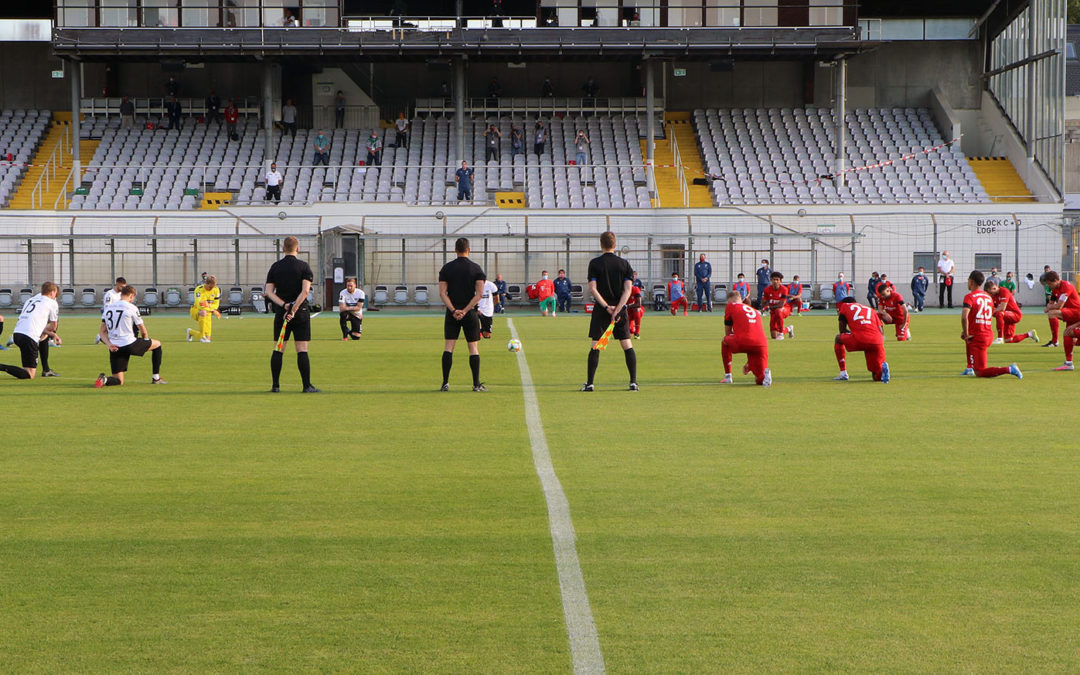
859 314
984 310
30 307
112 319
750 313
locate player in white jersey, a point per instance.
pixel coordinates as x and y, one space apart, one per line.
485 309
351 308
119 321
112 295
36 325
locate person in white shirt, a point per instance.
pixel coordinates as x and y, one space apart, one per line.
274 180
351 307
118 323
36 325
401 138
112 295
945 268
486 307
288 117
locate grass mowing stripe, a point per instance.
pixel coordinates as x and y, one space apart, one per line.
584 643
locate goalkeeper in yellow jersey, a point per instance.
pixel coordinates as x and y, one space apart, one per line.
207 299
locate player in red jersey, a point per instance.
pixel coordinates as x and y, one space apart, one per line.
1006 315
634 312
891 309
861 330
977 323
745 334
775 301
1064 306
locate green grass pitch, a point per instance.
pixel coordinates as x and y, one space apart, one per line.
927 525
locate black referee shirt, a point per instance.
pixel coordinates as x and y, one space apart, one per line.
609 271
288 275
461 275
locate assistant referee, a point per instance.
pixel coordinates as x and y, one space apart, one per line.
287 285
610 281
461 285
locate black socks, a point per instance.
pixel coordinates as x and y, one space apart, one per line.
594 361
275 367
304 366
447 363
15 371
631 363
155 360
112 381
474 366
43 352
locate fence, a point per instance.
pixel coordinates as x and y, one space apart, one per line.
408 250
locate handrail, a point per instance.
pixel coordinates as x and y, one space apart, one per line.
44 181
62 193
680 173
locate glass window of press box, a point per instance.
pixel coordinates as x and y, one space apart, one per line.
196 13
696 13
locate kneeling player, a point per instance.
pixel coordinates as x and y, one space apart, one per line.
861 330
891 309
976 320
36 325
1006 315
775 300
745 334
118 322
351 310
634 312
485 309
1064 306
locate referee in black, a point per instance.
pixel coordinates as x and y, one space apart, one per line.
461 284
287 286
610 281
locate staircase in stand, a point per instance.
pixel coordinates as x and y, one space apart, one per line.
1000 180
669 180
24 197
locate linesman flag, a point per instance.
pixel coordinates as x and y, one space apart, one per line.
602 343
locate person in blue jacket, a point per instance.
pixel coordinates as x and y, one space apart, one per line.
919 284
763 275
871 290
501 296
702 275
562 292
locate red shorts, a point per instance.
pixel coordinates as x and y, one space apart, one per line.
757 355
777 316
1070 316
873 352
681 302
1007 323
976 353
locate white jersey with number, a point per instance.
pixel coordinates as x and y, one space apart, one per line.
36 314
486 306
355 298
120 320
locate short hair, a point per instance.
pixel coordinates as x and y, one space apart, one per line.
352 279
990 283
543 271
562 271
741 274
977 277
48 287
291 245
607 240
121 280
733 295
776 275
127 290
795 277
1049 277
461 245
212 280
846 300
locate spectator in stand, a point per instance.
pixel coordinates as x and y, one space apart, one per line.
339 109
841 289
1009 283
401 137
539 137
172 87
945 268
517 141
494 88
491 143
213 108
127 113
994 276
742 287
464 178
676 291
374 149
919 284
871 290
562 292
174 111
273 183
288 19
763 275
590 88
322 149
581 144
547 90
232 116
501 296
702 276
288 116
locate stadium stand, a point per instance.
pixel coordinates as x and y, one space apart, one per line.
781 156
20 134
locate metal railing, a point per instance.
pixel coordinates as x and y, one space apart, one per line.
539 106
354 117
52 167
680 173
153 107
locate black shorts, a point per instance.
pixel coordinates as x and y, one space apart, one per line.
118 360
299 328
468 324
601 320
485 324
29 348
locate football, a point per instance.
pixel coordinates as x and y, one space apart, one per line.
514 346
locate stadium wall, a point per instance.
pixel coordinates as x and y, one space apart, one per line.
25 80
408 245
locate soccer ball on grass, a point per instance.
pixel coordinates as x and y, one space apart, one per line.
514 346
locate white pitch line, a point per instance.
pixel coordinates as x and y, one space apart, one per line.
584 644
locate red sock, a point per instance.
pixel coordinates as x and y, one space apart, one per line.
841 356
991 372
726 353
1069 340
1000 321
1054 329
1017 338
